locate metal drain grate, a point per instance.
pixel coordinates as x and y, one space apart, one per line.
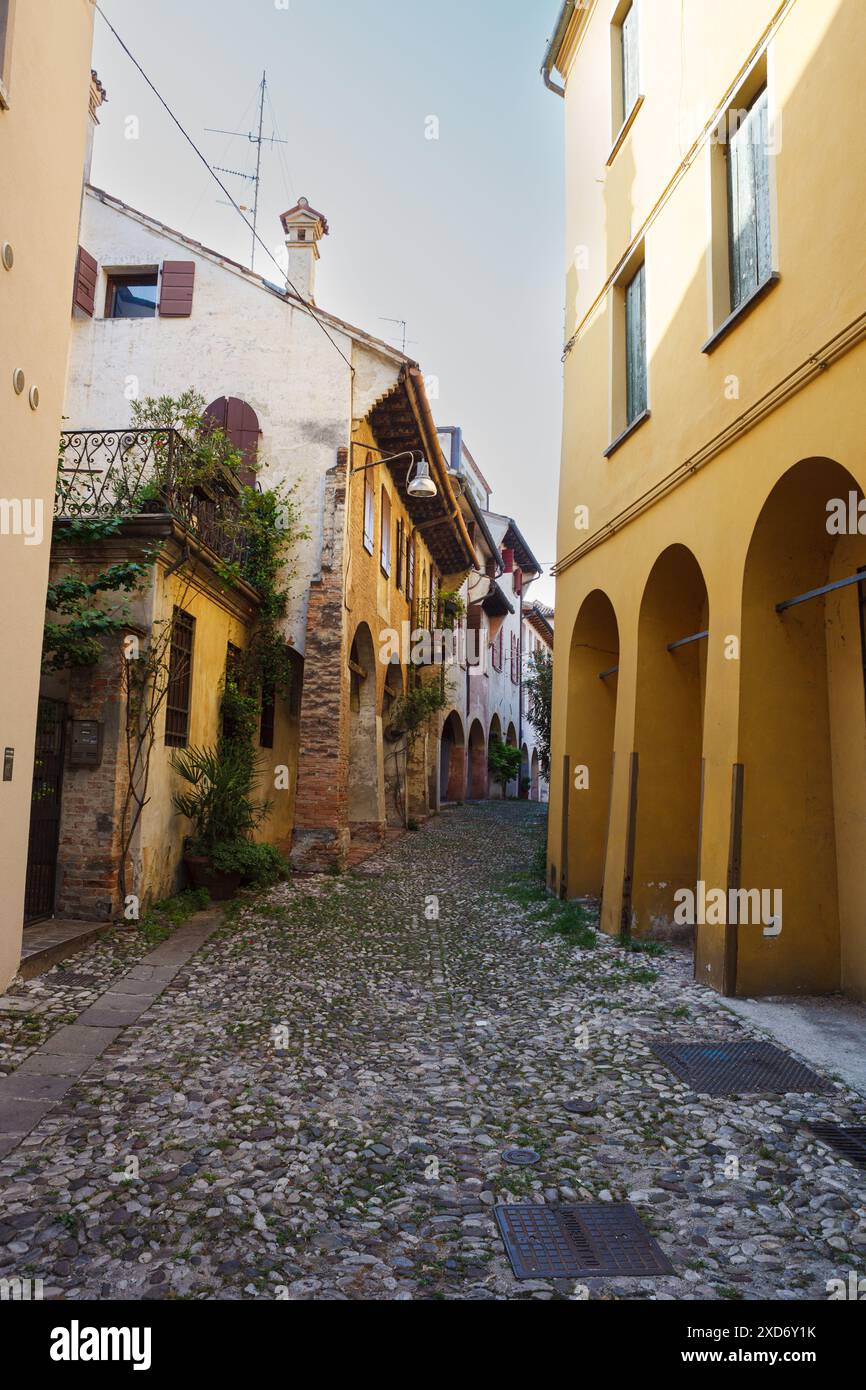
848 1141
580 1107
719 1068
578 1242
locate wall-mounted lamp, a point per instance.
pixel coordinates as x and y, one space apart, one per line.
418 482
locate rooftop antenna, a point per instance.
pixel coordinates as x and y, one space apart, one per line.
256 178
402 325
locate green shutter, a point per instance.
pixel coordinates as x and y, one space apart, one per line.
749 203
630 63
635 340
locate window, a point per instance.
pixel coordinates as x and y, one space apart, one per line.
132 296
635 346
179 679
497 651
266 728
410 571
400 544
630 62
749 234
7 11
233 661
369 512
515 659
626 98
385 536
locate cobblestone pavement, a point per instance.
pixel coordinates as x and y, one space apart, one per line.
317 1105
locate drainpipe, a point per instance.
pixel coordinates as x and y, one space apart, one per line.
555 44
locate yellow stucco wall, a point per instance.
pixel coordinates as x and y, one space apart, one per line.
733 421
218 622
42 143
374 599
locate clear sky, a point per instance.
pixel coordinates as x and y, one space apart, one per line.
461 236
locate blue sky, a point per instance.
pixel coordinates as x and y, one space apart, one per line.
461 236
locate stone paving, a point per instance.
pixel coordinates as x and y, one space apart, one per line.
316 1104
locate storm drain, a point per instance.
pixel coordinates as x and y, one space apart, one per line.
730 1069
521 1158
593 1239
580 1107
848 1141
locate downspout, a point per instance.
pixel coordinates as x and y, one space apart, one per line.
555 44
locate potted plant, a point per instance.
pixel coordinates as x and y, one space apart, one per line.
220 804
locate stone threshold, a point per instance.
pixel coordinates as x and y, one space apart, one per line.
45 944
30 1092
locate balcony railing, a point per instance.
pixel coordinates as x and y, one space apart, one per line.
130 473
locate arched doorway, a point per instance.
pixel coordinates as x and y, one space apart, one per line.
478 777
494 788
452 760
802 745
525 778
592 696
665 785
534 778
394 750
513 788
364 799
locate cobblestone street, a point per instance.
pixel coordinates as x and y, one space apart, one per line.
318 1102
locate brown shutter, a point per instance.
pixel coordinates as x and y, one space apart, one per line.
240 424
178 283
85 282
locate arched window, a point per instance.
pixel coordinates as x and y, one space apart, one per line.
240 424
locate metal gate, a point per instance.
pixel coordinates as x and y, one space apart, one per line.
45 811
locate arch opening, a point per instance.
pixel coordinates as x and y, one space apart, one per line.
364 733
592 702
669 726
802 746
452 760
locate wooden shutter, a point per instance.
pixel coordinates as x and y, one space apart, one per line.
760 119
749 202
178 283
369 514
240 424
385 537
86 272
635 337
398 557
630 63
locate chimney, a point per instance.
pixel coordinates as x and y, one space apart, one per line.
98 96
304 229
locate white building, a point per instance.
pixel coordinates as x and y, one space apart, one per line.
488 686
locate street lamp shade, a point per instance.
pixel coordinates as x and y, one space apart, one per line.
419 483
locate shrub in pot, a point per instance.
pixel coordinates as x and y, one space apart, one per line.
219 854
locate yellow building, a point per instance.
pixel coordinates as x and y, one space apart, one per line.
44 85
709 741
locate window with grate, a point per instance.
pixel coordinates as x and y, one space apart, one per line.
177 705
497 651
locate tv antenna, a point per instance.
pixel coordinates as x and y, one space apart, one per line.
255 179
402 325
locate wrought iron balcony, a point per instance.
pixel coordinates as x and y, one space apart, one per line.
131 473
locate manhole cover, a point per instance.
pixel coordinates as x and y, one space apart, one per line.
580 1107
849 1141
728 1069
578 1242
521 1158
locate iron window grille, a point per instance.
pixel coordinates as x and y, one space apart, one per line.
177 708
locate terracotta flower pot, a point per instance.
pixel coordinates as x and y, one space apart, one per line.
202 874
